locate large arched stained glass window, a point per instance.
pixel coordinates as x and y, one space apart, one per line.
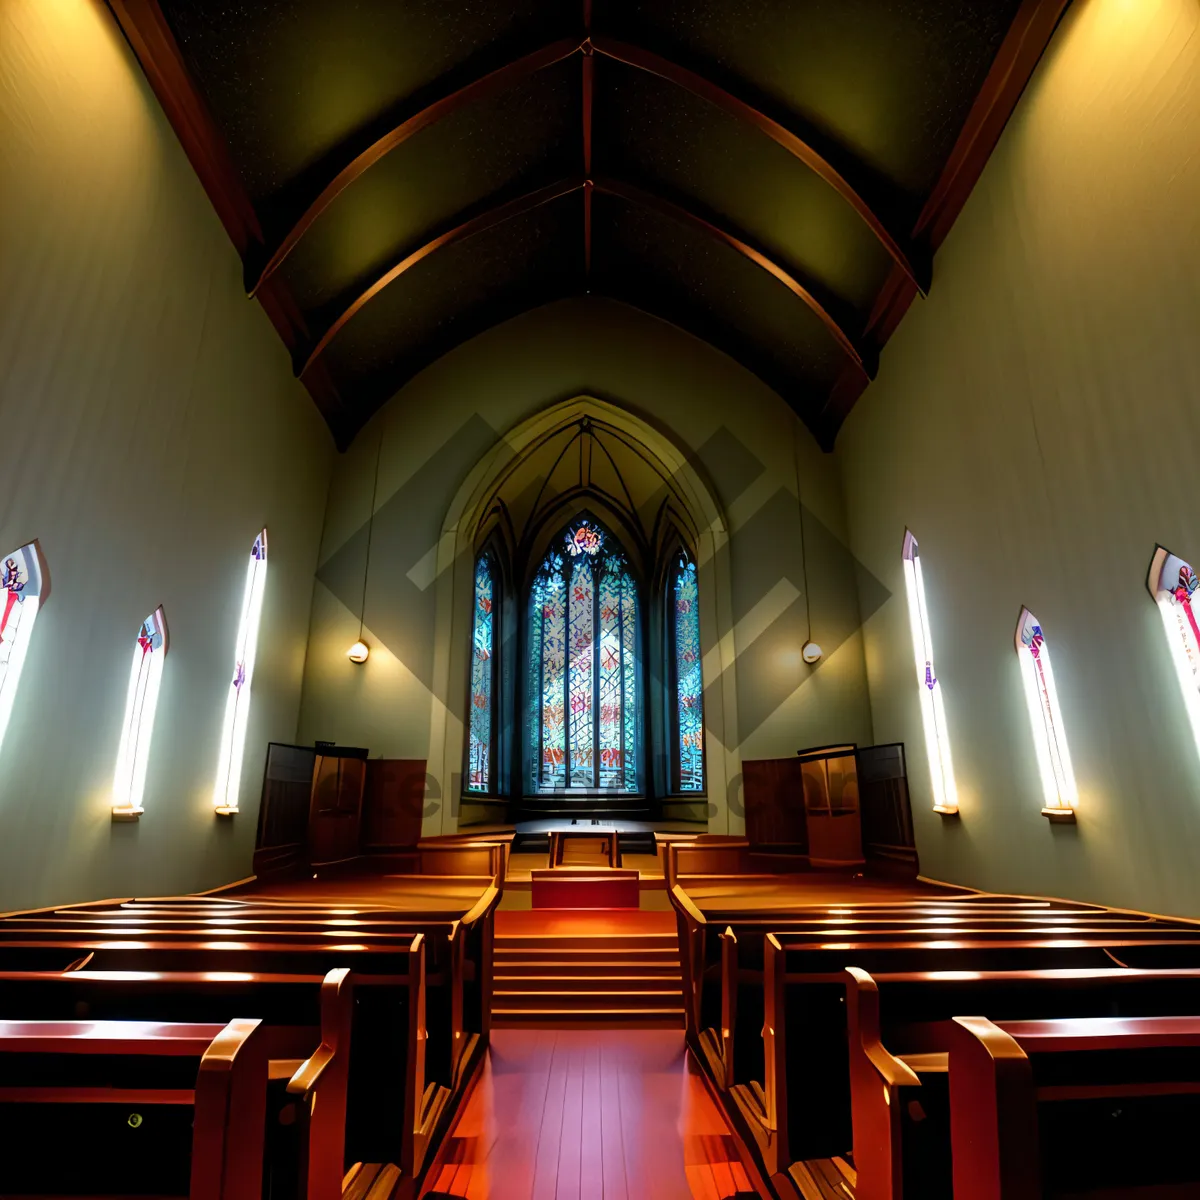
480 750
584 678
686 674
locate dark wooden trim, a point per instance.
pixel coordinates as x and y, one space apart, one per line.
1018 57
477 224
359 161
863 362
1019 54
150 37
589 91
908 257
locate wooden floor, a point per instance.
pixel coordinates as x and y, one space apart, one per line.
589 1115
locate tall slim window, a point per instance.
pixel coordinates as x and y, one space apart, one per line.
686 675
237 702
482 722
1045 719
584 680
933 712
24 586
1173 584
133 753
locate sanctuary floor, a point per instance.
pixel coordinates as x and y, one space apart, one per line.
613 1114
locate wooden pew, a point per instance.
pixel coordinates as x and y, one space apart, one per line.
804 1030
459 953
306 1024
899 1036
158 1109
711 995
394 1121
1088 1108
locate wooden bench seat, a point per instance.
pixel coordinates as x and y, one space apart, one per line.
139 1108
727 995
899 1036
1101 1108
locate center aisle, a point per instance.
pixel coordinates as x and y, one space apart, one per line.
610 1114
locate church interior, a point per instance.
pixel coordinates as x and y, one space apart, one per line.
535 537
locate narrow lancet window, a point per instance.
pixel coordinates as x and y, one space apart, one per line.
1059 792
1173 584
141 701
933 712
482 717
237 703
24 587
687 674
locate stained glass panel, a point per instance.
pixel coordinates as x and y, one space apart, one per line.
550 614
141 701
580 734
479 754
583 711
689 684
1045 717
23 591
237 701
630 709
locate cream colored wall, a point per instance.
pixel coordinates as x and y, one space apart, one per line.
150 428
1036 422
438 427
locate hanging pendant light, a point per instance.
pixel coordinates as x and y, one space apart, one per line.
360 651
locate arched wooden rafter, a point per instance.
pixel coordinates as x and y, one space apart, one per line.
358 160
855 352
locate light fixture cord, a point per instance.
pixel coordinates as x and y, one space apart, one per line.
803 548
362 608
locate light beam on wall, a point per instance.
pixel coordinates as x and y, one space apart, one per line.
237 703
933 713
24 587
141 701
1045 719
1173 584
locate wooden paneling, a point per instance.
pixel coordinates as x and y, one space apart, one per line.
392 804
773 791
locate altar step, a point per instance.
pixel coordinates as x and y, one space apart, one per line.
632 980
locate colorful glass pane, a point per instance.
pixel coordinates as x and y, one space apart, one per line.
689 683
479 753
580 734
583 680
1174 586
23 591
141 701
548 671
237 702
1045 717
630 712
612 668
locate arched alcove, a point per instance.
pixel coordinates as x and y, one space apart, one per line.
587 455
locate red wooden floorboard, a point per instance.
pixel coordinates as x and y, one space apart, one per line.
611 1114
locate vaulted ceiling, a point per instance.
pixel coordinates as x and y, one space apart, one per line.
772 175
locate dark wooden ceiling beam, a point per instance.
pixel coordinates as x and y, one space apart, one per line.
862 360
914 262
477 224
356 162
856 354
